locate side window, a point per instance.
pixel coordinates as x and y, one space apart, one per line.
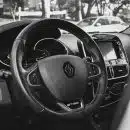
114 21
103 21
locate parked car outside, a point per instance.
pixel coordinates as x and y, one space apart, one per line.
102 24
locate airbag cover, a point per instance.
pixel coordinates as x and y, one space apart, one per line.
64 76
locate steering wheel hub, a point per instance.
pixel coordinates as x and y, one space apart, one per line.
65 76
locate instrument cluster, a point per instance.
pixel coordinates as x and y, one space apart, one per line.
43 48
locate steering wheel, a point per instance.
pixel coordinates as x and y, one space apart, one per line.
62 80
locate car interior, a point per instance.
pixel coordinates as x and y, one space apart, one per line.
52 81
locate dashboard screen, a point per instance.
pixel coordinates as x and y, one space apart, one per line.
107 50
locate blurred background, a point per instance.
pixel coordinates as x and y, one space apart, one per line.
72 10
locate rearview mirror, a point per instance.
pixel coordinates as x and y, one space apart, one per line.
98 24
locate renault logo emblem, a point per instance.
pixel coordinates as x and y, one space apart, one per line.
69 69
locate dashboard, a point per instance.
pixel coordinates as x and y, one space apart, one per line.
114 55
117 65
114 48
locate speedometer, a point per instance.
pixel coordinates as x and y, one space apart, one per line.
41 53
49 47
43 48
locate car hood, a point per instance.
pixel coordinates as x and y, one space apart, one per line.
106 28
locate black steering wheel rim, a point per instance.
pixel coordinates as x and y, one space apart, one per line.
89 45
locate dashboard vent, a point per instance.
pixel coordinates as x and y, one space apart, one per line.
120 71
109 73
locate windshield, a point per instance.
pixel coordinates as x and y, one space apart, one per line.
80 12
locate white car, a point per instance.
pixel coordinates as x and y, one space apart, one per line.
102 24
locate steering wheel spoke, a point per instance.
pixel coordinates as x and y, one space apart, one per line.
64 107
94 71
33 76
72 106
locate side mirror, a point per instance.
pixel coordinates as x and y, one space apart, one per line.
98 24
